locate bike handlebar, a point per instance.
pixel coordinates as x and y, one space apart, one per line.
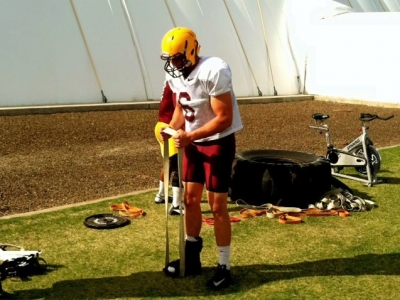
365 117
320 128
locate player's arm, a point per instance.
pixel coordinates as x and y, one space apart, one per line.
178 118
166 108
223 110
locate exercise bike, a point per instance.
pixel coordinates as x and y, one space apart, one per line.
359 154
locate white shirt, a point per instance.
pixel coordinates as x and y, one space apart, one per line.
211 77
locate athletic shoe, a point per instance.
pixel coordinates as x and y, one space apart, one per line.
160 199
175 210
221 279
192 260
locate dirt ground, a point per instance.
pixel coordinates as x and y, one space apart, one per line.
52 160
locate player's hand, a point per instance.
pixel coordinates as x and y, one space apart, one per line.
166 133
165 136
181 139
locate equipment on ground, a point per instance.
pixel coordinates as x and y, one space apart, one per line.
106 221
166 189
279 177
19 263
181 219
359 154
172 132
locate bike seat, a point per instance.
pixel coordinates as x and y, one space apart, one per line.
320 117
365 117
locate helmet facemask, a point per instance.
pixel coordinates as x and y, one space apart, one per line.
177 68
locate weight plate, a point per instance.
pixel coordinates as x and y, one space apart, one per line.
106 221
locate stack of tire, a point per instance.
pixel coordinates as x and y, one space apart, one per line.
279 177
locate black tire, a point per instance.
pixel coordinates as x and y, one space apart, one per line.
286 178
337 184
374 157
106 221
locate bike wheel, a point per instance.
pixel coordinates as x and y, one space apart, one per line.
374 158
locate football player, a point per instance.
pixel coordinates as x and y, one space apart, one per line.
206 118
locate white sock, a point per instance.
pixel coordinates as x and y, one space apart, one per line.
191 238
224 253
177 194
161 188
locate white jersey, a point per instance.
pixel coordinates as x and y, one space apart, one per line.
211 77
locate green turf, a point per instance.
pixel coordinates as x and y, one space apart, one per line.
323 258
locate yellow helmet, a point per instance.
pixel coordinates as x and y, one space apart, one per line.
179 43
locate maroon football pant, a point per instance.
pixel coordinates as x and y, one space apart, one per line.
210 163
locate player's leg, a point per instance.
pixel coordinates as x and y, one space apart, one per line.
218 176
160 196
177 187
193 177
222 225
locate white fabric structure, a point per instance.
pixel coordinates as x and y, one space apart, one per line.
344 54
70 51
372 5
356 56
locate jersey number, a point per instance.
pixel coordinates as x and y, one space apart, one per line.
189 112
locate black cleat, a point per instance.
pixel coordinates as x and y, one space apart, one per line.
221 279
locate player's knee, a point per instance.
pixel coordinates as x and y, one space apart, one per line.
192 199
219 209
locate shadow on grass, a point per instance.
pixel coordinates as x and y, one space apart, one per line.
246 277
389 180
25 277
362 194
